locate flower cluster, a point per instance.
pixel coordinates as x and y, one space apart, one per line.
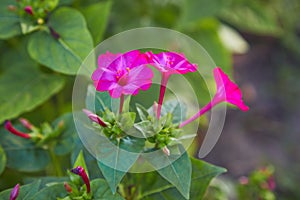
127 73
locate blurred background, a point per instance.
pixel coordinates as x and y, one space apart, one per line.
258 43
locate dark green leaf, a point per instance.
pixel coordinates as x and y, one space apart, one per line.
178 172
101 191
9 20
65 54
120 158
26 192
203 173
22 154
25 89
99 11
52 192
2 160
65 142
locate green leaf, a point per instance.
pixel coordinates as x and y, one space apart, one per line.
2 160
9 20
203 173
51 192
126 121
65 54
65 142
178 170
176 108
22 154
26 192
142 111
30 90
120 158
99 11
98 101
100 190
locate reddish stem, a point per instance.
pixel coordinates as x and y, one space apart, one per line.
8 126
164 81
122 98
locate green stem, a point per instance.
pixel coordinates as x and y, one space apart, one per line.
55 163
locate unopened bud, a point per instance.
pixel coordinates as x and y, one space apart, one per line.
166 150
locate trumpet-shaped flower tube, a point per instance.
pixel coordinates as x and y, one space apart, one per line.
81 172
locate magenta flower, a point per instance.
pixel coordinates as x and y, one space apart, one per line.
29 10
95 118
8 126
169 63
81 172
227 91
122 74
14 193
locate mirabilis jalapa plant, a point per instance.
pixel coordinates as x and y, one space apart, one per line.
123 75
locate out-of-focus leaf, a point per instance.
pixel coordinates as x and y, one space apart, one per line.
195 10
96 16
22 154
253 16
2 160
51 192
232 40
65 142
9 20
23 89
66 53
26 192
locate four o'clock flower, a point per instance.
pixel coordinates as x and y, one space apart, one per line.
93 117
81 172
227 91
122 74
169 63
14 193
8 126
29 10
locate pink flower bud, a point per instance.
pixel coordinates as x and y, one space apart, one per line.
8 126
93 117
67 187
166 150
26 123
81 172
29 10
14 193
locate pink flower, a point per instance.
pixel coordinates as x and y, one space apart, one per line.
122 74
8 126
14 193
81 172
169 63
227 91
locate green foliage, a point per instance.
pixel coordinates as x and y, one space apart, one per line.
2 160
31 89
10 21
65 53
